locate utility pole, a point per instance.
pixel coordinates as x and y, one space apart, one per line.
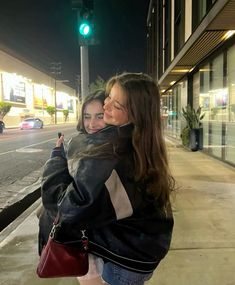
55 70
84 71
55 104
78 85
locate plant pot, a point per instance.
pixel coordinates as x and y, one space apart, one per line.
196 139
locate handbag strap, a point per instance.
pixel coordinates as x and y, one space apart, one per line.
56 225
84 240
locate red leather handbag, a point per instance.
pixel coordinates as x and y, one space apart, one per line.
63 259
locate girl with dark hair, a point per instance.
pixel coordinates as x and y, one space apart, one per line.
90 121
92 112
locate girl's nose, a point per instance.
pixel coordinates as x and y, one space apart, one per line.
107 105
92 122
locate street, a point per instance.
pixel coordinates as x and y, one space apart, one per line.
22 155
25 151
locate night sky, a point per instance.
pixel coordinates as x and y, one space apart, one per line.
44 31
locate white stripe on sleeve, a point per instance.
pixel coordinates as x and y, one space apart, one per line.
118 196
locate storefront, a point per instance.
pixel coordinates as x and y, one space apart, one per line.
213 89
217 98
30 92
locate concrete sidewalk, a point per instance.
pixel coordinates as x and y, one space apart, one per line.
203 245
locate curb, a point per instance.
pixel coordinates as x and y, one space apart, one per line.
14 210
9 232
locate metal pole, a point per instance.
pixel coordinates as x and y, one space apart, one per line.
84 71
55 105
42 104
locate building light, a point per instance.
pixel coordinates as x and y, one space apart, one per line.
180 70
172 83
204 70
228 34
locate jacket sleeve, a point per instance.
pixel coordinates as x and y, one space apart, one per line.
55 180
87 201
86 191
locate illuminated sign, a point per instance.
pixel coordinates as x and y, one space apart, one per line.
13 88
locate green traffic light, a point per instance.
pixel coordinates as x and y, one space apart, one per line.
85 29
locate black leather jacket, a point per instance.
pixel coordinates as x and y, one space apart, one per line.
97 192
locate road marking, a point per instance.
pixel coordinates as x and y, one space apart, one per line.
29 150
25 147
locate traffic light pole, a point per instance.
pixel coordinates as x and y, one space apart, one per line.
55 105
84 71
84 19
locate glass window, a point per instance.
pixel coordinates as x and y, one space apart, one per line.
204 101
199 9
167 34
230 124
218 103
175 113
160 39
179 26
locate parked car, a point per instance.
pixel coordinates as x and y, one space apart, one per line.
31 123
2 126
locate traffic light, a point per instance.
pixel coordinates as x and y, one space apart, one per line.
85 27
86 24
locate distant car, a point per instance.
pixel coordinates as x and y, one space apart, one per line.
2 126
31 123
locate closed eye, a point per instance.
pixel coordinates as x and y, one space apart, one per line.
115 103
116 106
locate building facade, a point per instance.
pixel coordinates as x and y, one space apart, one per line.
191 53
30 91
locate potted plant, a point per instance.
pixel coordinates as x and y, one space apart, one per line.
192 134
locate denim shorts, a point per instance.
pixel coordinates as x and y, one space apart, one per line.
115 275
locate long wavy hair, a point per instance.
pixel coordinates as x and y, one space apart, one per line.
98 95
150 156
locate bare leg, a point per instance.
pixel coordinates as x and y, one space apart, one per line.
93 276
93 281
